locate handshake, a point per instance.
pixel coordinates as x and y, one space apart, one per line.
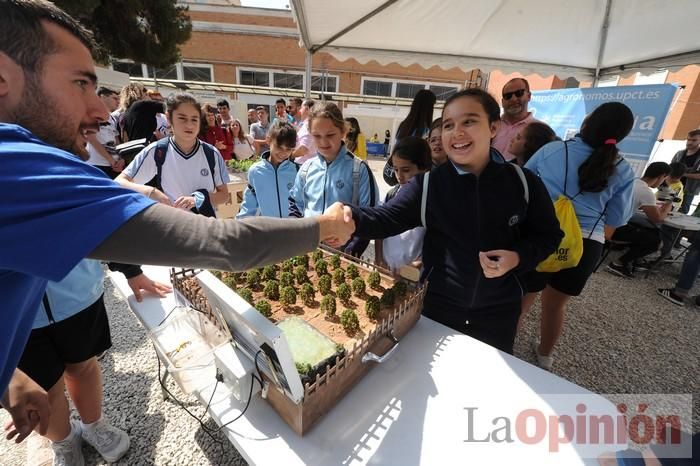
337 225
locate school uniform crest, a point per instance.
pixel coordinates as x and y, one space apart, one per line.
204 172
514 220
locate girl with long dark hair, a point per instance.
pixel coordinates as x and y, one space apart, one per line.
589 170
417 123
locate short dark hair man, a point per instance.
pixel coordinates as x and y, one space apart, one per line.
690 157
515 98
294 107
46 67
642 231
259 130
281 111
224 116
252 116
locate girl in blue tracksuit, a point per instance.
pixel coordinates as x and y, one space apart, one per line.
271 179
333 175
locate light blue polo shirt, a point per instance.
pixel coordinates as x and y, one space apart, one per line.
612 206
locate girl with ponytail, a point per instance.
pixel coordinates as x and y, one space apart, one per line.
589 170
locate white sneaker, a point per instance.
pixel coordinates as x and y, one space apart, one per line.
110 442
69 452
545 362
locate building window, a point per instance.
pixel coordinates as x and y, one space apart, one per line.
166 73
132 69
317 84
408 90
288 80
443 92
379 88
255 78
197 73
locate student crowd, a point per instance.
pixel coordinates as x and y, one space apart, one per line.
472 206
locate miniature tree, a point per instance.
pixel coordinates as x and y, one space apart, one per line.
217 274
358 287
321 267
352 272
230 281
400 288
334 261
303 368
288 296
269 273
253 279
324 284
300 274
388 297
246 294
317 255
302 260
286 279
343 292
349 321
287 266
374 280
338 276
372 307
328 305
264 308
272 290
307 294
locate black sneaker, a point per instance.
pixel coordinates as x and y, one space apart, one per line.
643 265
622 270
669 295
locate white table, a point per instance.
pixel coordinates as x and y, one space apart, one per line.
682 221
410 410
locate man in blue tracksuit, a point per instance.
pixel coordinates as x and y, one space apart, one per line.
271 179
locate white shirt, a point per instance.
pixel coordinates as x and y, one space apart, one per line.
182 174
642 195
162 124
243 150
305 139
106 136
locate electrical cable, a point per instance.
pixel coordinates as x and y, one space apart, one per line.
219 378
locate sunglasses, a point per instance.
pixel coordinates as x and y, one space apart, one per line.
518 93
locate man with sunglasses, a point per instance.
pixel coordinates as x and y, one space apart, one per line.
515 97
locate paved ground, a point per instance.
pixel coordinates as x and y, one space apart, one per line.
619 337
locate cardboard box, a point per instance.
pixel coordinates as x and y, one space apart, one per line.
235 199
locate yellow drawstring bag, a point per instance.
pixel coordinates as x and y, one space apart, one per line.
570 250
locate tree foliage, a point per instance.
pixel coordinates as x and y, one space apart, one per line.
146 31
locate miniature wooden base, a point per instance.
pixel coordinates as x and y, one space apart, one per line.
321 394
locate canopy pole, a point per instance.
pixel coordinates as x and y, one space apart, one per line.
349 28
603 41
308 58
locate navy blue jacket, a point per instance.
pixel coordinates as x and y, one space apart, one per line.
466 214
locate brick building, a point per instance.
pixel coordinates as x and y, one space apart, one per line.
260 47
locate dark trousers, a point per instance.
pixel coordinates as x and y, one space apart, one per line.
687 202
644 241
493 325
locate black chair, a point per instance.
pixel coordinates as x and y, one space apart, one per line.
610 245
